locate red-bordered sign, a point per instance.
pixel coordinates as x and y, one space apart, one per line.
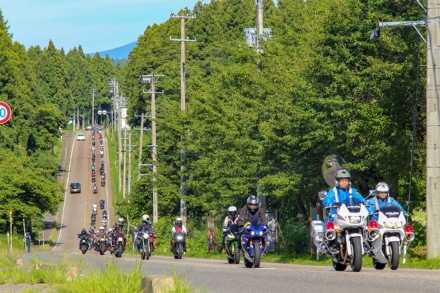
5 112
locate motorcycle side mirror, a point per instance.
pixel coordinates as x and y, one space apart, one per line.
322 194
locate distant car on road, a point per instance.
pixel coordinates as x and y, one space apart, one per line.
89 127
80 136
75 187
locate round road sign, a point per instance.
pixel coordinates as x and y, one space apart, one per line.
5 112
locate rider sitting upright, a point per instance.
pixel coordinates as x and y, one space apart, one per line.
178 227
145 227
230 219
83 234
341 192
382 199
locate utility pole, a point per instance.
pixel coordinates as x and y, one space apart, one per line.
182 41
432 119
152 80
433 130
129 162
125 164
93 106
259 7
141 139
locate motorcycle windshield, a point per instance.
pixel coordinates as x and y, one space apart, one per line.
352 204
391 211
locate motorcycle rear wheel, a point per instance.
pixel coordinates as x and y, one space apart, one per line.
338 266
394 260
377 265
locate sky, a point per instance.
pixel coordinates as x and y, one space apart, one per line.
96 25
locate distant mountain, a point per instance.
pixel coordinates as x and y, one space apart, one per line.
118 53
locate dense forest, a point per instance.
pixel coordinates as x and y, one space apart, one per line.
255 122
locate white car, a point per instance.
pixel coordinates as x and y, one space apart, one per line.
80 136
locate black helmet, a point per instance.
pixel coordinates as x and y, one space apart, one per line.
252 203
83 230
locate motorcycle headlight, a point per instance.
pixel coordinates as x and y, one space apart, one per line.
120 239
393 225
252 233
145 235
179 237
398 224
354 219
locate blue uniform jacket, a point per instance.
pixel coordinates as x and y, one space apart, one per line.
342 195
372 207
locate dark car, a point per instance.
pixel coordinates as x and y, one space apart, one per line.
75 187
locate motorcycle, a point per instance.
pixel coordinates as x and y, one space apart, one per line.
83 243
101 204
119 245
101 244
95 189
93 218
101 171
388 237
104 215
343 237
177 244
102 181
231 244
144 244
253 243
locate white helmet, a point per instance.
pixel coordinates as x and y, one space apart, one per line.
232 211
146 218
382 187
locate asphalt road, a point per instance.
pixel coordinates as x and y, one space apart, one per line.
76 209
213 275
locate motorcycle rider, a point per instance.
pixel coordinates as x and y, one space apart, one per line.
83 234
382 199
95 188
231 218
145 227
251 213
178 227
341 192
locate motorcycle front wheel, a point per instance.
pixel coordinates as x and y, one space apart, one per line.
394 259
103 249
236 254
356 250
257 254
147 249
119 249
179 250
143 254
